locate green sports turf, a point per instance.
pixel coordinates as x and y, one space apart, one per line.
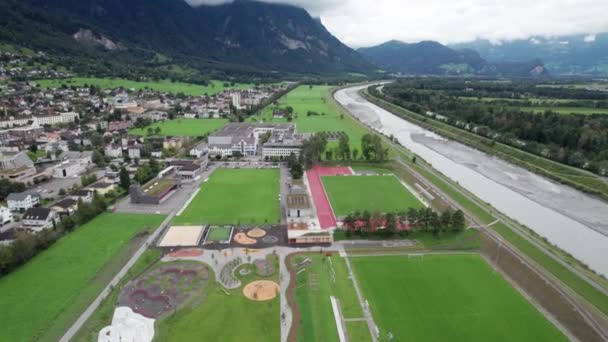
183 127
317 99
219 234
447 298
350 193
189 89
235 196
51 290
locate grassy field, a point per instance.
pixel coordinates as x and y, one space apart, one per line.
315 99
183 127
224 315
189 89
566 110
384 193
235 196
313 289
47 294
219 233
447 297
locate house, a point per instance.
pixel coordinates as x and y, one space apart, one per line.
22 201
6 215
113 151
66 206
134 152
199 150
38 218
102 188
86 195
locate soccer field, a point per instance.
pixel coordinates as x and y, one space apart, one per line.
43 297
350 193
235 196
447 298
183 127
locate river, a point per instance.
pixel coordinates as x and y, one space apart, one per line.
570 219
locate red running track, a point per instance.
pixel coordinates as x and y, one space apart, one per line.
324 211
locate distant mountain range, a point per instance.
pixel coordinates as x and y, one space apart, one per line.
433 58
242 35
563 55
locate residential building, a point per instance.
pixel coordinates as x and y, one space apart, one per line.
102 188
66 206
22 201
199 150
6 215
38 218
86 195
113 151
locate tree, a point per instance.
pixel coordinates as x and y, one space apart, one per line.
98 159
446 220
96 139
458 221
150 131
312 148
157 130
355 153
297 171
125 180
33 148
344 147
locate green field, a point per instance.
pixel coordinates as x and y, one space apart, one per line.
351 193
314 286
447 298
235 196
188 89
224 315
316 99
218 233
42 298
183 127
566 110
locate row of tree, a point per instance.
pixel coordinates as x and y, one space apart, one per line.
412 219
315 147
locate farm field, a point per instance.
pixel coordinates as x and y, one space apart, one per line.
316 99
447 297
188 89
224 315
350 193
235 196
314 286
67 277
566 110
183 127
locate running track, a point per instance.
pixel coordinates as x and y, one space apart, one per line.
324 211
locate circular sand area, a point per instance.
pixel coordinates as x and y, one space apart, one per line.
256 233
243 239
261 290
186 252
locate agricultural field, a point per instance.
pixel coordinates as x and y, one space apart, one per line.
316 99
183 127
225 315
566 110
314 286
235 196
47 294
351 193
447 297
188 89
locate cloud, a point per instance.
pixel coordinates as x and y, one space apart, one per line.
368 22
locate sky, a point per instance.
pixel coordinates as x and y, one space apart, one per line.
360 23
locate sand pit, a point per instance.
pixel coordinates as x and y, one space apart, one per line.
261 290
182 236
186 252
256 233
243 239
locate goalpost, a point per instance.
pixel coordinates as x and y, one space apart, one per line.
419 256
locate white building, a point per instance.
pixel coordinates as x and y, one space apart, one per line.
69 168
38 218
113 151
22 201
6 215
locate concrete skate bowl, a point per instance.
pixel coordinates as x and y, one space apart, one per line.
164 288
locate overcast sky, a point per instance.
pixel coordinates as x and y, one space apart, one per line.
369 22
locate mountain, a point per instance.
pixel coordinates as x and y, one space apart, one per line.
563 55
433 58
245 35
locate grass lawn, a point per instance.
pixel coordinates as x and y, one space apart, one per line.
235 196
47 294
313 290
446 298
316 99
350 193
183 127
224 315
188 89
219 233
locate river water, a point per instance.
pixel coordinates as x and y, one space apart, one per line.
570 219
